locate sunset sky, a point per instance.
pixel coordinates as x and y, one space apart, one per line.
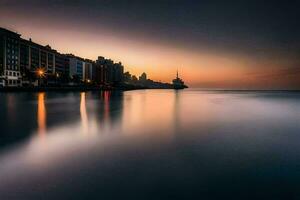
214 44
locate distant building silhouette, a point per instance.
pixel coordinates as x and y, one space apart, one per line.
143 77
127 77
178 82
88 70
108 72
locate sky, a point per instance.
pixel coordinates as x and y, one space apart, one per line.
213 44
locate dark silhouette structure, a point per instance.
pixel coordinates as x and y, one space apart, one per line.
178 83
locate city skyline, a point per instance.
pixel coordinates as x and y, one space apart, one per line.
225 50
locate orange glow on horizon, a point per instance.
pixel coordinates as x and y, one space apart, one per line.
197 67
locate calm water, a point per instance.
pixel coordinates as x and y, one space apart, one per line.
159 144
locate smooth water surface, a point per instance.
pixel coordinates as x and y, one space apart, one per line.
155 144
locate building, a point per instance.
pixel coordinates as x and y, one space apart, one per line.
108 72
76 67
88 70
61 68
98 73
143 77
118 72
35 56
21 59
10 74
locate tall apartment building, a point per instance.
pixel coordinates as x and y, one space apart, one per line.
109 72
20 58
88 69
118 72
76 67
10 74
34 56
61 66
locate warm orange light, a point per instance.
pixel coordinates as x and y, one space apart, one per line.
83 113
41 114
40 72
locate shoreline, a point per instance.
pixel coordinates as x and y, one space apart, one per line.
73 89
121 88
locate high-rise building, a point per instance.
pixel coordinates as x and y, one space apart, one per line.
76 68
98 73
60 64
21 59
35 56
109 72
88 70
9 58
118 73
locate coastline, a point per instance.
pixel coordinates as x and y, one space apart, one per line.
75 88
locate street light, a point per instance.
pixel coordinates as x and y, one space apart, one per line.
56 78
41 73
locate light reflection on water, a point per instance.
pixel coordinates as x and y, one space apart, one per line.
83 114
149 143
41 114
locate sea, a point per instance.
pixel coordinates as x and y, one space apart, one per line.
150 144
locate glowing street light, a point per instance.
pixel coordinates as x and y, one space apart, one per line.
41 73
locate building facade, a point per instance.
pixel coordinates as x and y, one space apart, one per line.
88 70
76 67
108 72
21 59
10 74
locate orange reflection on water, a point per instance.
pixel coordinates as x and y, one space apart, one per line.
106 105
11 107
41 114
83 113
148 112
